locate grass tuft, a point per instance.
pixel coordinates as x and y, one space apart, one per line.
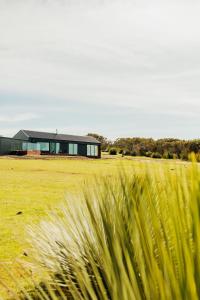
130 237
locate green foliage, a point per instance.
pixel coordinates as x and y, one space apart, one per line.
168 155
156 155
148 154
168 148
126 152
133 153
198 157
113 151
184 155
132 237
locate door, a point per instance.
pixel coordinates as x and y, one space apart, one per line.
54 148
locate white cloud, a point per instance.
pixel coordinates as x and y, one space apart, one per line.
139 54
17 118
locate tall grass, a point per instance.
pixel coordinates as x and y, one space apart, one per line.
134 236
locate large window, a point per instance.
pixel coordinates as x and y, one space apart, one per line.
26 146
43 146
57 148
73 149
92 150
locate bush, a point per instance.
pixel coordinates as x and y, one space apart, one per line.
133 153
148 154
156 155
126 152
184 155
133 237
113 151
175 156
142 152
121 151
168 155
197 156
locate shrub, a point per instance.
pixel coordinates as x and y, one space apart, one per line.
175 156
133 153
168 155
156 155
184 155
113 151
121 151
148 154
197 157
126 152
142 152
131 238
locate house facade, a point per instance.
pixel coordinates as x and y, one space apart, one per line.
27 142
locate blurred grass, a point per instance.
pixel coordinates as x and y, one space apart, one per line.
35 187
134 236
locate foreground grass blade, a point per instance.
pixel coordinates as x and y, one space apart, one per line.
135 236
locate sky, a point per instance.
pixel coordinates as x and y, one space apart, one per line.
120 68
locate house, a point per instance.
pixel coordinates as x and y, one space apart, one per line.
45 143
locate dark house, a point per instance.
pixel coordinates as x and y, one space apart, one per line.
44 143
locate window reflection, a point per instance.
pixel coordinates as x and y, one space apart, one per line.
73 149
92 150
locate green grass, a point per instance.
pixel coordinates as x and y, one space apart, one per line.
35 187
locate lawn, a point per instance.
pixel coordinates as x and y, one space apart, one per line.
30 188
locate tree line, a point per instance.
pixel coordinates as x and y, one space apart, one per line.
168 148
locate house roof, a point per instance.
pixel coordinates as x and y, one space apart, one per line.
58 137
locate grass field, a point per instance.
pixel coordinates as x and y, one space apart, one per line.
29 188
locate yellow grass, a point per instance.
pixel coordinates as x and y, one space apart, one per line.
33 187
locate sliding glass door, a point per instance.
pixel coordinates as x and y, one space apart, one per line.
73 149
54 148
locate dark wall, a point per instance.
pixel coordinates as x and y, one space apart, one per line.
64 148
7 145
21 136
82 149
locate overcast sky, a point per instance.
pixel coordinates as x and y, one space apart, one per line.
116 67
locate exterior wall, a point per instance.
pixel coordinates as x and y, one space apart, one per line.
82 149
21 136
64 147
14 146
9 146
99 151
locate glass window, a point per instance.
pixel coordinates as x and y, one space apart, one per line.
57 148
96 150
92 150
42 146
88 150
73 149
26 146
